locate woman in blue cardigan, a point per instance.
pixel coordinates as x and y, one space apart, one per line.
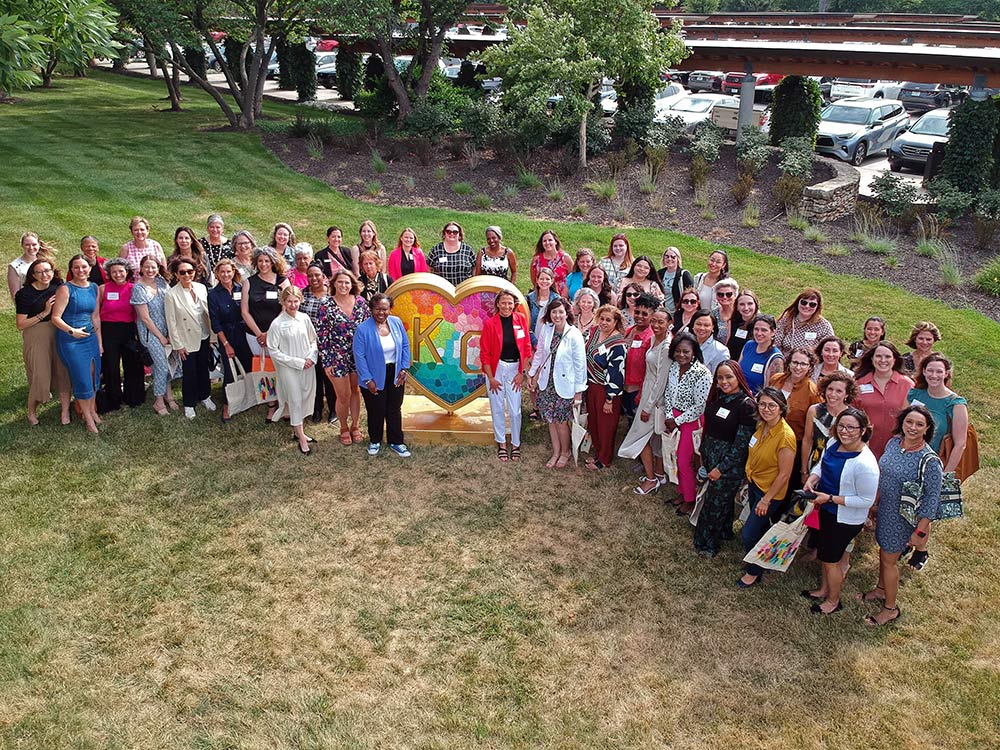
382 356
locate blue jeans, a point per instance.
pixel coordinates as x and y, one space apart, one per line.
756 526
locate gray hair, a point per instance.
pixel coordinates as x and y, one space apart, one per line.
243 233
115 262
728 281
215 217
303 248
270 254
587 292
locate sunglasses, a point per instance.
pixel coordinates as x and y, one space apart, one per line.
808 303
451 231
724 295
631 294
689 302
186 272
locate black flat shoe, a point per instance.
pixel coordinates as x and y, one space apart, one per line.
817 609
308 439
305 451
807 594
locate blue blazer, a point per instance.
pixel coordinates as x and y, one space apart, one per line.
368 356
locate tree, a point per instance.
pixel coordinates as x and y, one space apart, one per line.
623 42
76 31
796 109
22 50
968 156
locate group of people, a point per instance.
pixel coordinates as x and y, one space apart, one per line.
709 390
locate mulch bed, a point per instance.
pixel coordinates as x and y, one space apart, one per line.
346 164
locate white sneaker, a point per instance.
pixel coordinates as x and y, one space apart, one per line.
209 404
189 412
400 450
374 448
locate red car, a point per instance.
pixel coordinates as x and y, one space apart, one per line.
731 83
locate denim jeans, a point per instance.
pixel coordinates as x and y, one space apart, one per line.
756 526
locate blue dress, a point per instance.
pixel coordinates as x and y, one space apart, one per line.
892 531
82 357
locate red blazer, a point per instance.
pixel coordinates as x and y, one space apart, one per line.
491 341
396 259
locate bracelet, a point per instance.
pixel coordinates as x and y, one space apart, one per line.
920 533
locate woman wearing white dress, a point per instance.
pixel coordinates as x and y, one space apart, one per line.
291 343
641 440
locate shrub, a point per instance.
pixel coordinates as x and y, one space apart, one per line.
742 188
300 127
462 188
286 81
196 58
836 250
527 180
314 147
707 142
750 217
373 188
883 245
580 209
897 196
796 157
378 163
656 160
567 134
787 190
986 218
432 119
467 78
281 127
814 234
510 192
952 202
555 193
481 119
772 239
795 110
633 122
302 63
482 202
375 99
440 173
617 161
951 276
349 73
988 278
968 156
708 214
752 150
606 190
423 147
797 221
666 133
927 248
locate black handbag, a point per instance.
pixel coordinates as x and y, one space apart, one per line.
135 346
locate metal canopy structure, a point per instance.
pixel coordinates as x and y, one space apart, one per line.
909 34
878 61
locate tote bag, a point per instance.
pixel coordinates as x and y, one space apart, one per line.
241 394
263 379
776 549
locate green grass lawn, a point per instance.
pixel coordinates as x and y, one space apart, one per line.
179 584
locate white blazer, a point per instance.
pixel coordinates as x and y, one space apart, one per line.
188 323
858 485
570 371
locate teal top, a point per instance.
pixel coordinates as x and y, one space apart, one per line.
941 410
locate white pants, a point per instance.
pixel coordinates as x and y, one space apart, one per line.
509 398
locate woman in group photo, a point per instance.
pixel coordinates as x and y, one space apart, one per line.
141 245
704 282
406 257
452 258
226 318
215 244
585 260
923 338
874 332
32 249
618 261
148 295
121 365
368 241
292 344
189 327
674 278
741 324
496 259
802 324
549 254
882 391
605 383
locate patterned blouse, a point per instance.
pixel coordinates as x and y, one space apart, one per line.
613 272
561 265
792 334
606 362
455 267
490 266
133 255
215 253
688 393
335 333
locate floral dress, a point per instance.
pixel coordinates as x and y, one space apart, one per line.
335 332
551 406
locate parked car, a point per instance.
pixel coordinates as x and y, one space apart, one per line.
825 84
666 98
272 66
863 88
732 82
326 70
677 76
853 129
706 80
727 116
927 96
912 146
695 108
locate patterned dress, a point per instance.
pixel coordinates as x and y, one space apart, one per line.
490 266
895 467
729 416
335 332
215 253
551 406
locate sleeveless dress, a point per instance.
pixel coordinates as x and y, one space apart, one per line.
82 357
489 266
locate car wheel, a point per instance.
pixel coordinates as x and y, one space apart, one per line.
895 166
859 154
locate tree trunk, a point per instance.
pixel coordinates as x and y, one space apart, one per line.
209 89
384 43
47 72
150 57
591 90
172 87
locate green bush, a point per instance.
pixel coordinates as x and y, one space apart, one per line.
752 150
286 82
481 119
896 194
663 135
796 157
988 278
349 73
598 135
633 123
375 100
707 142
303 67
195 57
467 78
968 156
795 109
987 218
952 202
432 120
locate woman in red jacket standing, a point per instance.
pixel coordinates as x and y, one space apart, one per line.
505 354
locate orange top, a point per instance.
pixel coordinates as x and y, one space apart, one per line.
802 396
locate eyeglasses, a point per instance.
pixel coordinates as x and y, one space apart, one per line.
808 303
44 270
724 295
849 427
451 231
768 406
799 364
186 272
689 302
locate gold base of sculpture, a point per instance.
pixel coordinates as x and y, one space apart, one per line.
424 423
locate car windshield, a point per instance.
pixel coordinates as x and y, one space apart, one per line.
920 86
693 105
855 80
936 125
849 115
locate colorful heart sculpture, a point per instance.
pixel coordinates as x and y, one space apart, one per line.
444 323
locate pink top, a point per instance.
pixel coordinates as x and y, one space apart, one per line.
133 255
635 357
396 259
116 305
882 408
297 279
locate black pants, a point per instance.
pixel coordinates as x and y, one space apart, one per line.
195 382
120 341
324 386
385 408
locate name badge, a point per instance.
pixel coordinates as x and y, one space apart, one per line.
722 413
917 402
866 388
113 296
637 344
270 295
858 352
602 349
740 333
753 441
519 333
757 367
810 335
443 259
237 296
